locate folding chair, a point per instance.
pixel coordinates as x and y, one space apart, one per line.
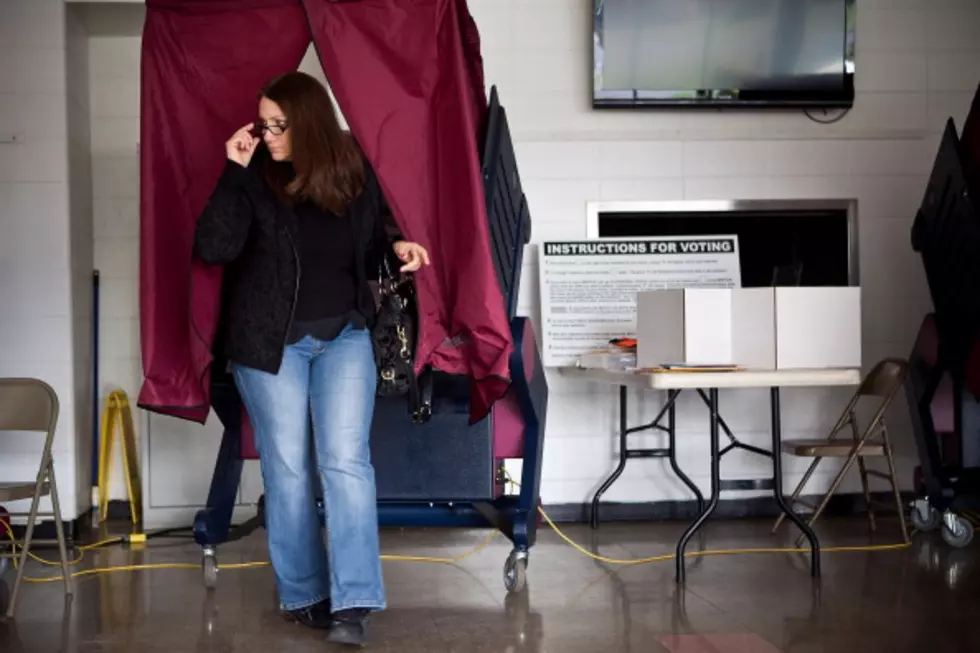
881 384
30 405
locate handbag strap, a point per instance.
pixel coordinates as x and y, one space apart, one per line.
387 270
420 396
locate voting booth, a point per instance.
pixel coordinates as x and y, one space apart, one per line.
445 162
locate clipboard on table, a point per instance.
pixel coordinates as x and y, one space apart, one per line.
683 368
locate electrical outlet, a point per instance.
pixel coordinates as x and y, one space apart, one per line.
11 138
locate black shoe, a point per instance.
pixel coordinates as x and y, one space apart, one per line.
347 627
312 616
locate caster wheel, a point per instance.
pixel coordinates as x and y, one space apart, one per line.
210 567
515 572
957 532
928 523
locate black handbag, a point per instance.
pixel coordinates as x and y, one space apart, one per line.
395 338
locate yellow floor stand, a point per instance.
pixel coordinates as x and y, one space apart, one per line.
117 420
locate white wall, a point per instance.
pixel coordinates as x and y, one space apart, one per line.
43 259
917 63
113 82
81 238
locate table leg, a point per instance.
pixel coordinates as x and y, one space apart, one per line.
777 475
623 432
715 486
672 448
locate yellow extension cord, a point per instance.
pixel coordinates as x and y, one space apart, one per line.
972 517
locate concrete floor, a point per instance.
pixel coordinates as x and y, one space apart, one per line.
921 599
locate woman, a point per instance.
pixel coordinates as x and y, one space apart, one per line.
298 218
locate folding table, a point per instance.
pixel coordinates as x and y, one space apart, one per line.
707 384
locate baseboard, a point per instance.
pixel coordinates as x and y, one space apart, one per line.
76 530
44 530
841 505
119 510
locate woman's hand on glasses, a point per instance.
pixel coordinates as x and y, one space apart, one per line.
241 146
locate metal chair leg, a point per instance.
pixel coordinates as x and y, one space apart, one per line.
833 488
891 473
28 536
796 493
863 472
62 547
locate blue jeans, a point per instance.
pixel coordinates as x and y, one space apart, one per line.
334 383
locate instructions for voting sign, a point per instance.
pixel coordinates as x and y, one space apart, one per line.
588 288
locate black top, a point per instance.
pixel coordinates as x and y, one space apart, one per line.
247 229
327 297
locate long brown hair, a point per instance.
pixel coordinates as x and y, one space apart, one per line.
329 170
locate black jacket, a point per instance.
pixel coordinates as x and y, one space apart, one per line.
246 228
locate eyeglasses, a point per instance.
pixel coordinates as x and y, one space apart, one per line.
276 128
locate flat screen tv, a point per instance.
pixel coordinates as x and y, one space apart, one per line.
723 53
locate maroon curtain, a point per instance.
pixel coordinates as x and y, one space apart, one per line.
202 65
408 76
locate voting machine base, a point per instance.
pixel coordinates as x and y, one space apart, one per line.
445 472
946 233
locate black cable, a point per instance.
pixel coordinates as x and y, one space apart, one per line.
175 543
164 532
827 121
179 532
